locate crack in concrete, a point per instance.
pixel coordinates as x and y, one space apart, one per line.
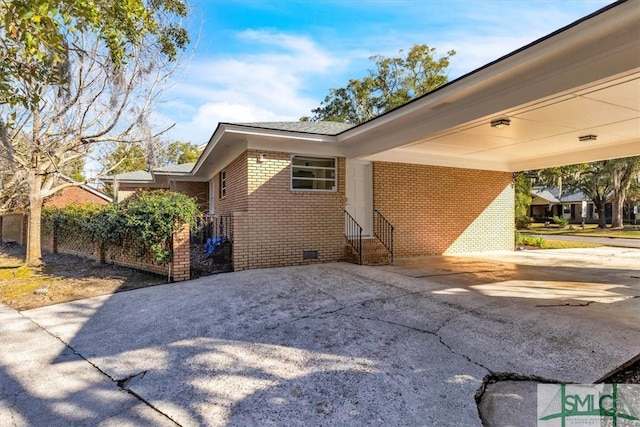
125 381
425 331
120 383
15 404
568 304
454 273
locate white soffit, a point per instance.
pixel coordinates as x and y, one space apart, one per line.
543 135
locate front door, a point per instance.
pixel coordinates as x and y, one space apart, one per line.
359 189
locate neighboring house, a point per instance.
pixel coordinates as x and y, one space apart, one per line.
546 203
78 195
13 227
438 169
167 178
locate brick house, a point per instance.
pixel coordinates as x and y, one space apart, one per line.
165 178
438 169
546 203
13 227
78 195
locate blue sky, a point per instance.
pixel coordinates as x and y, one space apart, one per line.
276 60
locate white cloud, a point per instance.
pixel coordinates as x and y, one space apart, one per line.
267 86
275 76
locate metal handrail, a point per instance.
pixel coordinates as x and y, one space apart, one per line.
383 230
353 233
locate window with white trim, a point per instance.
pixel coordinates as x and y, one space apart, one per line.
223 184
313 173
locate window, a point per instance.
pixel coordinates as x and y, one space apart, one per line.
223 184
313 173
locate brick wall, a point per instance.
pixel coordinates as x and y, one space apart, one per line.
71 195
128 254
273 225
236 198
199 190
439 210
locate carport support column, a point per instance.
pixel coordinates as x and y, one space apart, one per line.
181 261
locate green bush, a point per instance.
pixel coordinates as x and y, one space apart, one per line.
148 219
527 240
562 222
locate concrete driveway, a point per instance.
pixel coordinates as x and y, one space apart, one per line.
415 343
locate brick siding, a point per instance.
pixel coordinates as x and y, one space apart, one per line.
236 198
272 224
199 190
73 195
441 210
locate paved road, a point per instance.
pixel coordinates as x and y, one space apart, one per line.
606 241
328 344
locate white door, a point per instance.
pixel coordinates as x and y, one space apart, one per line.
359 189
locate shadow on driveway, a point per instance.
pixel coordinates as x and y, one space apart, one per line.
343 344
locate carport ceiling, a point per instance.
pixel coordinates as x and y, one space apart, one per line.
582 80
546 134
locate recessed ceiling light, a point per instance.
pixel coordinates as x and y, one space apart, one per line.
500 123
588 137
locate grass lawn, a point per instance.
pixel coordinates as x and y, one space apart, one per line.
560 244
629 231
537 241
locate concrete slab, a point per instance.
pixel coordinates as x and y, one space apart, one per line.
341 344
44 383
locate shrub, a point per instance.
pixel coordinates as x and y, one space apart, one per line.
562 222
148 218
526 240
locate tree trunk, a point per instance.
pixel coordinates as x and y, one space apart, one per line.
34 248
602 221
616 212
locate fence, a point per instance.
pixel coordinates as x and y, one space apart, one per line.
211 245
13 228
128 254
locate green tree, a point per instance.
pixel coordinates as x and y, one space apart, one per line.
602 182
522 184
623 172
68 79
178 153
591 178
126 158
393 82
37 37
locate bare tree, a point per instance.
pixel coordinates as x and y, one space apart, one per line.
99 104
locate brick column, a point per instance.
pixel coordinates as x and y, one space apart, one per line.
240 242
181 262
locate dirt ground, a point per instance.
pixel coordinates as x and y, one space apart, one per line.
62 278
